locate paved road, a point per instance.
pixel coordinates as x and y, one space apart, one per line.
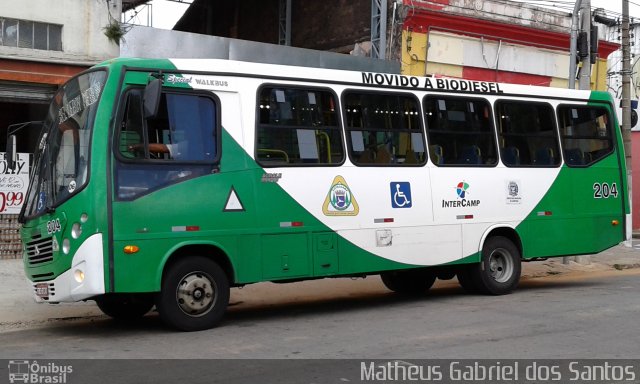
574 315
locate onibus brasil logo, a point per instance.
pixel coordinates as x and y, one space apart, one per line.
462 192
24 371
340 200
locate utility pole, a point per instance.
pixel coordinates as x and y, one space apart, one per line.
585 57
573 56
284 23
378 29
626 101
585 72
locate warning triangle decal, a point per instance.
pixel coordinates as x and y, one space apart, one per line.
340 201
233 202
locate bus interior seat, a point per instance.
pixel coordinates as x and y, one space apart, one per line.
573 156
470 155
544 156
383 156
511 156
437 154
128 138
410 157
366 157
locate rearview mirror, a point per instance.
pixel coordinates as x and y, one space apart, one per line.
151 98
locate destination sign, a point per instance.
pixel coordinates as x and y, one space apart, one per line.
430 83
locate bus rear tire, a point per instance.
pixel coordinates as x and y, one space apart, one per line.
466 280
498 272
125 306
409 282
194 294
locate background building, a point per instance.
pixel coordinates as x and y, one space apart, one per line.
42 44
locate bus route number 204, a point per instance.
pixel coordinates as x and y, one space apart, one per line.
53 226
605 190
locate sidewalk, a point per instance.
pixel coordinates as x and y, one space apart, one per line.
19 310
617 258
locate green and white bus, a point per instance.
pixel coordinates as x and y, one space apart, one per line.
166 182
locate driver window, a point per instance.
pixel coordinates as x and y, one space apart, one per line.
180 143
183 130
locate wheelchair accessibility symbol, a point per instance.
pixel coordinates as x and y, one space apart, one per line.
400 194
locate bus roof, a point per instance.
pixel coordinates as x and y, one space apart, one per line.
355 78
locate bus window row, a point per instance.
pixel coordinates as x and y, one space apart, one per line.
301 126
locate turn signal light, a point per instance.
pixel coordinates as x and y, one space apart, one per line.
615 222
130 249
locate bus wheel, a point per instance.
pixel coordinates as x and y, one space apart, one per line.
124 306
498 272
412 282
194 294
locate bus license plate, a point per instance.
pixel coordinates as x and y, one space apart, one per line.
42 290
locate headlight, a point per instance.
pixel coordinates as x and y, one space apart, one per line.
66 246
78 274
76 230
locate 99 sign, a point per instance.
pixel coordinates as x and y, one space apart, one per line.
10 199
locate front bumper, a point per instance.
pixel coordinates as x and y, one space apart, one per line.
83 280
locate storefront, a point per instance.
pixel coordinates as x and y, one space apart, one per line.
26 87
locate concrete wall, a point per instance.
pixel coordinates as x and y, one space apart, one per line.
635 180
83 40
490 40
331 24
143 42
334 25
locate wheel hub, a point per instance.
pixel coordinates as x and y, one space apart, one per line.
500 265
196 294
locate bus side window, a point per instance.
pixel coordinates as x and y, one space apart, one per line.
297 126
384 129
181 142
460 131
527 134
183 130
586 134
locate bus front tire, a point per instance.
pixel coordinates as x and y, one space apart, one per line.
498 272
194 294
125 306
411 282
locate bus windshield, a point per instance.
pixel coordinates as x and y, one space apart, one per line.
60 164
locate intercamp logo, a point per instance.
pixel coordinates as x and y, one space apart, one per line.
462 191
24 371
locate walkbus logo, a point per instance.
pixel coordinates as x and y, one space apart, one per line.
23 371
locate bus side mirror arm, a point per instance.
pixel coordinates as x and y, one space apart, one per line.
11 152
151 98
